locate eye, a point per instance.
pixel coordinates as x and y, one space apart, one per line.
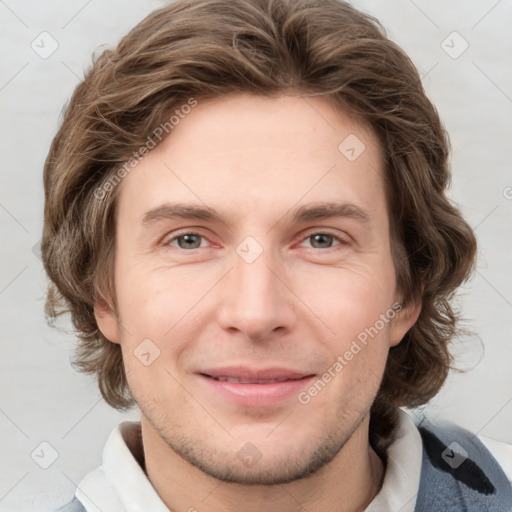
186 241
321 240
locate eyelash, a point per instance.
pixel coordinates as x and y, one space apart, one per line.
342 242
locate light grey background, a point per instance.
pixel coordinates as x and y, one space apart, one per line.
43 399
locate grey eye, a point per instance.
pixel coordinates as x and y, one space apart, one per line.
190 241
321 239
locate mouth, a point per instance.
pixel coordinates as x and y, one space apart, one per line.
250 375
250 381
248 387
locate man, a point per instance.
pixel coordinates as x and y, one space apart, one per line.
246 216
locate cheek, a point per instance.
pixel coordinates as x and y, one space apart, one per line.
150 343
164 306
351 298
150 299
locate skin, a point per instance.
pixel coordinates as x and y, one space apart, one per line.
300 305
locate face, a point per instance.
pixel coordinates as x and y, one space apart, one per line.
255 286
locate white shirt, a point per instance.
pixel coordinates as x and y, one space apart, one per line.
120 484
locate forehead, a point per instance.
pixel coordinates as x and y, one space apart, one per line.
255 155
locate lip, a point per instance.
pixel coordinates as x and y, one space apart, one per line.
257 393
250 373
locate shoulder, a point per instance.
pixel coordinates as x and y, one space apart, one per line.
461 470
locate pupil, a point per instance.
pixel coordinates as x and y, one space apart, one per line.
189 240
326 238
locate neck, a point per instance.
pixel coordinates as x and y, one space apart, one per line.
351 480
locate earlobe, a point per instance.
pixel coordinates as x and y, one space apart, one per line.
106 320
404 319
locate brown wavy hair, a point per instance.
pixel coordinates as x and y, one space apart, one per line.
210 48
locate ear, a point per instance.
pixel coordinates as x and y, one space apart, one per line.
106 320
404 319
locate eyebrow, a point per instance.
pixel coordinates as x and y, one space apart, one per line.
309 212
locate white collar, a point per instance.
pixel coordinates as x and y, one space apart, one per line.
402 479
120 484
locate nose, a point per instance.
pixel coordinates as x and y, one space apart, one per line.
257 300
